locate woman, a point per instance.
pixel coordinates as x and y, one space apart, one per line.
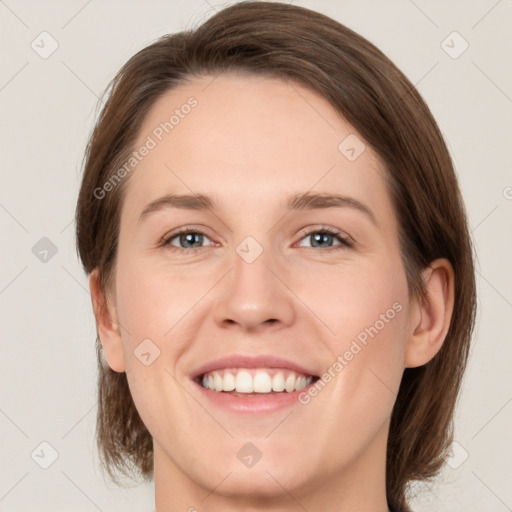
305 352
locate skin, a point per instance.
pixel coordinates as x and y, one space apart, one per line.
251 142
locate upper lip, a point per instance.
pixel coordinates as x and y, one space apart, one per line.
249 361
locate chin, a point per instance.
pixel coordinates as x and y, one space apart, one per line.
256 484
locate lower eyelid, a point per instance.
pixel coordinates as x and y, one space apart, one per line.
167 240
344 242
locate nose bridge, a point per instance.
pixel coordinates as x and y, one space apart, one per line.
254 295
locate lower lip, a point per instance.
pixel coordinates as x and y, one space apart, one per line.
265 403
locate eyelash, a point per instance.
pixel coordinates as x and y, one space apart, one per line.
345 243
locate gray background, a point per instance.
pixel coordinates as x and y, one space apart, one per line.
48 106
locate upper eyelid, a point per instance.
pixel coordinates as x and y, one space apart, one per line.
323 228
166 239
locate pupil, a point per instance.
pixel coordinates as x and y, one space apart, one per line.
189 238
318 238
195 239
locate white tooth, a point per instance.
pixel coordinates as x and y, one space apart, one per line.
278 382
229 382
300 383
244 382
217 381
262 383
290 383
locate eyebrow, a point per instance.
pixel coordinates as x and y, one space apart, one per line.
301 201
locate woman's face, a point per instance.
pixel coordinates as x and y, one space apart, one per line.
275 276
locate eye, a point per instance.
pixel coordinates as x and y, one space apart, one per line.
193 239
324 238
187 238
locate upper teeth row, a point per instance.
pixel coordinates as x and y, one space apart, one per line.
243 382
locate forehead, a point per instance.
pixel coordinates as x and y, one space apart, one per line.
251 140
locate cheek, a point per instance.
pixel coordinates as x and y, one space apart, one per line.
366 312
151 301
153 309
362 301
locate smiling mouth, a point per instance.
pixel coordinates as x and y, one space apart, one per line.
254 381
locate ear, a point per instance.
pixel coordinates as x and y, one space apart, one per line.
431 318
106 325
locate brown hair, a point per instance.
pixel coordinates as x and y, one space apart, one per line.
366 88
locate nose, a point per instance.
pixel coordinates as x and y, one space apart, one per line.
255 297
